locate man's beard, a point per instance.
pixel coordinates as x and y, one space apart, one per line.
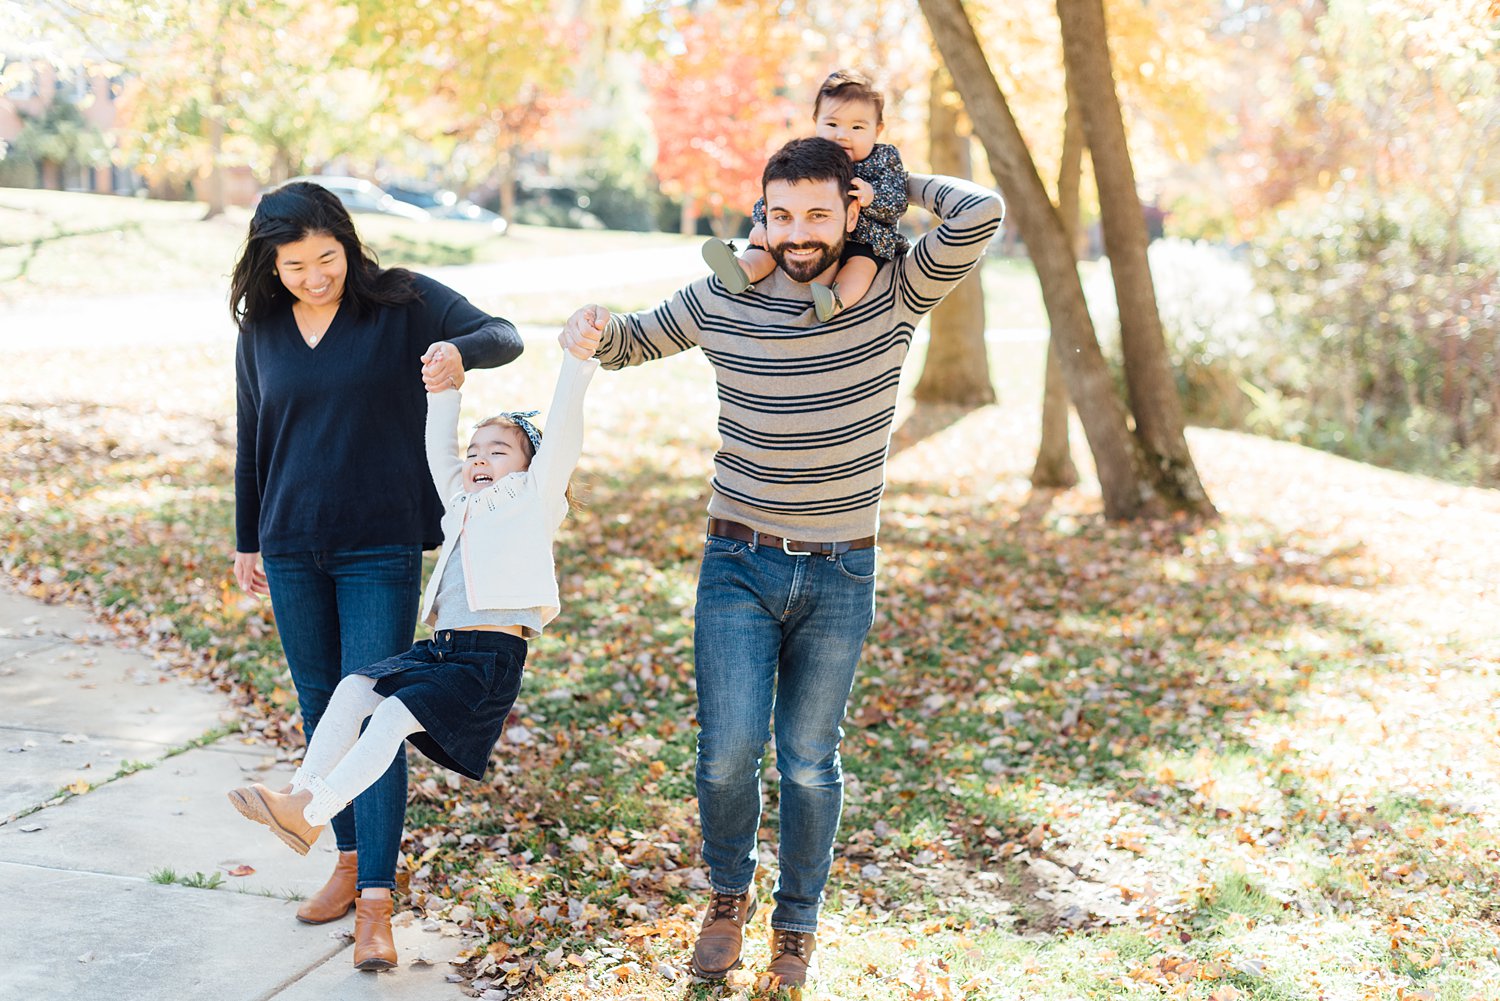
807 270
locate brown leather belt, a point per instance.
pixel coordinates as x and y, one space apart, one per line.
743 533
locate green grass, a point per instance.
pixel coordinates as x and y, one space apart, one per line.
203 881
131 767
166 876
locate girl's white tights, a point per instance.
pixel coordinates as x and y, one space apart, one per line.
341 762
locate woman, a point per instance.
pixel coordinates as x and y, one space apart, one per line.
329 402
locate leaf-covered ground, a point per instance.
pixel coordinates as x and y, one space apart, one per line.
1254 758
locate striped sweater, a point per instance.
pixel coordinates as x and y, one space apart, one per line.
805 408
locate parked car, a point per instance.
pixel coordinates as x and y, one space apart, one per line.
359 195
444 204
546 201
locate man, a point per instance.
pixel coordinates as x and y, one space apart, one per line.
786 591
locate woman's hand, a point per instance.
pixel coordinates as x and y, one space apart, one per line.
863 192
442 367
248 572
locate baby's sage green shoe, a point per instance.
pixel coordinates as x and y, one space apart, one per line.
726 267
826 302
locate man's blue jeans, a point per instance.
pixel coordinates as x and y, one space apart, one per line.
336 612
776 636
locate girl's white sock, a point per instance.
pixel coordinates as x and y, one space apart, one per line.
325 802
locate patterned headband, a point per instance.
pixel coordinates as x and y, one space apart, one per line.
519 419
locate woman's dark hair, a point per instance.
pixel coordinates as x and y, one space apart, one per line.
812 159
293 212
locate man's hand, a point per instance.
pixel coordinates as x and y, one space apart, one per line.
580 335
758 237
249 575
863 192
442 367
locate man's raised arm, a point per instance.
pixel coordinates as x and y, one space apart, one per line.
633 338
970 216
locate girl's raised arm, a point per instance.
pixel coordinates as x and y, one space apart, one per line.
443 459
563 444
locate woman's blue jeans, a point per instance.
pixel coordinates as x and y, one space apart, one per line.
337 612
777 637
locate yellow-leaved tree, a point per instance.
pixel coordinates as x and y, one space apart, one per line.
494 72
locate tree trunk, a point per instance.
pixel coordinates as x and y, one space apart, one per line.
213 184
957 369
508 161
687 222
1127 491
1070 173
1148 369
725 225
1054 457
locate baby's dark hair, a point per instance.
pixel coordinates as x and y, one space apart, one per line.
850 85
501 420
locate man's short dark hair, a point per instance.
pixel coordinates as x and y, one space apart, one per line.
811 159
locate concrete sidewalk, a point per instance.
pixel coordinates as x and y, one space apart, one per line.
87 911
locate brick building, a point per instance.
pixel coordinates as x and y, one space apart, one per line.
94 94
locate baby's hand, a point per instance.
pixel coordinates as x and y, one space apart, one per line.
758 237
863 192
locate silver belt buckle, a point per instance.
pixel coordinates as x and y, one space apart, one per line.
785 543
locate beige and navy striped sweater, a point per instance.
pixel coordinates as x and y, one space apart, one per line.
805 408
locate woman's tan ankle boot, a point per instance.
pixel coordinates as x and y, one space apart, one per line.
374 948
337 896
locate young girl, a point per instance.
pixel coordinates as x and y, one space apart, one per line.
849 111
494 588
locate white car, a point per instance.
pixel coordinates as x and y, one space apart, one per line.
359 195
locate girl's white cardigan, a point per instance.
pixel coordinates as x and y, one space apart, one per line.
504 532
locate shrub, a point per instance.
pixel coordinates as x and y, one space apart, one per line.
60 134
1217 328
1389 316
1215 321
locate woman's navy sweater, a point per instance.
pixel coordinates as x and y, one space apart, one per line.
330 451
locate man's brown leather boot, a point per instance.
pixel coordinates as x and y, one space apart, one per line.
722 935
337 896
374 948
791 952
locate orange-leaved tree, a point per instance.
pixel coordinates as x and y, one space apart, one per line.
718 113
